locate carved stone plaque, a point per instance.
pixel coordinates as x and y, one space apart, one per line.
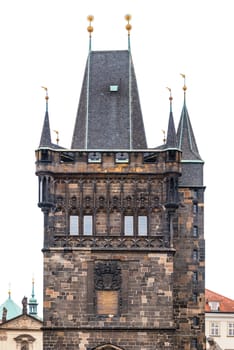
107 302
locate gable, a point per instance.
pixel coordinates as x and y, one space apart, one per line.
22 322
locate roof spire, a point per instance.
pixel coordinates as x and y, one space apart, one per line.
128 27
9 291
170 99
90 18
171 132
46 97
185 136
33 302
45 135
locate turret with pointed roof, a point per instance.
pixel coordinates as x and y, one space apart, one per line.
33 302
192 163
171 141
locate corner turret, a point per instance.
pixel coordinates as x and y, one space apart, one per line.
192 163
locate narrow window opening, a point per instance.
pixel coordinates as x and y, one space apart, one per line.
88 225
74 225
195 231
128 225
142 225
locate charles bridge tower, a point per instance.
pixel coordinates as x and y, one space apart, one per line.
124 255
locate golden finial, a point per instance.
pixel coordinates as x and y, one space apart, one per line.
90 18
46 97
170 98
57 136
184 87
9 291
164 136
46 90
128 25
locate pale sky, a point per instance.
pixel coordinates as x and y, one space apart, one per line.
45 42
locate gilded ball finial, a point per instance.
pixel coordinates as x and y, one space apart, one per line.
184 87
128 25
169 89
90 18
128 17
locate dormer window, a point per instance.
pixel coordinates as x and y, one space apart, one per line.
121 157
214 305
94 157
114 88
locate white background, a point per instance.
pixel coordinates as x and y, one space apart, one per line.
45 42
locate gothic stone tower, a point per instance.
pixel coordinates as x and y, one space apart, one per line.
123 223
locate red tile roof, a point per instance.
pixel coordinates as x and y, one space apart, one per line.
225 304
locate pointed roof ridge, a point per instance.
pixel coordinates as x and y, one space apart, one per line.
210 295
171 140
185 136
46 134
109 113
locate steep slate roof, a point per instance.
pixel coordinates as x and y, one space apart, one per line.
171 131
46 135
109 119
186 138
225 304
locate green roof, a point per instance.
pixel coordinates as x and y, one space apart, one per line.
13 310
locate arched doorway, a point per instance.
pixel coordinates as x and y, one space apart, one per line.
108 347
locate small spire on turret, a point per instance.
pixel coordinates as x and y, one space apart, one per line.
90 18
184 87
33 302
170 98
171 132
128 27
9 291
46 97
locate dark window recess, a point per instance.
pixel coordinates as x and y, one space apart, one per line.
66 157
194 297
195 321
195 208
94 157
195 276
122 157
194 343
195 231
171 156
150 158
195 255
45 155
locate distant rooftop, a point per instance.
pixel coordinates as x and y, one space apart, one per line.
13 310
218 303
